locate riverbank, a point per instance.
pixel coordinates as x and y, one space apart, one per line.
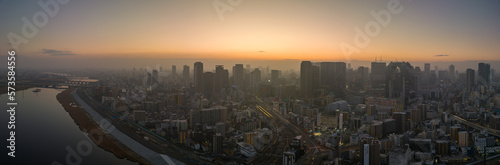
86 124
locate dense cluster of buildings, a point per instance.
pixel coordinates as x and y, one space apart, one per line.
393 113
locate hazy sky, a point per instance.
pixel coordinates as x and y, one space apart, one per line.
424 30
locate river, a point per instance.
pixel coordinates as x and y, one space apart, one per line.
46 134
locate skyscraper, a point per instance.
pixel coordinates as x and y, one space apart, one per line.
306 79
470 84
401 121
174 71
333 77
378 76
255 78
185 72
400 80
218 78
208 84
238 75
198 76
483 73
369 151
275 77
463 138
362 74
451 71
217 142
315 78
427 71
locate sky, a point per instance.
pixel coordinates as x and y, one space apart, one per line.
95 33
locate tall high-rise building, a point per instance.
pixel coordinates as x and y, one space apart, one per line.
483 73
377 129
418 76
427 71
451 71
362 74
400 80
198 76
174 71
275 77
218 78
470 84
378 76
333 77
217 142
463 139
375 152
255 78
369 151
454 133
316 77
185 72
208 84
238 75
401 121
306 79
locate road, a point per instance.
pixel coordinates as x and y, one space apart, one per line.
491 131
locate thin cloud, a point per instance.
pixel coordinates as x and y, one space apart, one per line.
441 55
54 52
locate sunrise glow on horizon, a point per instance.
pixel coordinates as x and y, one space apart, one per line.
261 30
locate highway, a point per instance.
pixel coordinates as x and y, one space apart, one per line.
491 131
